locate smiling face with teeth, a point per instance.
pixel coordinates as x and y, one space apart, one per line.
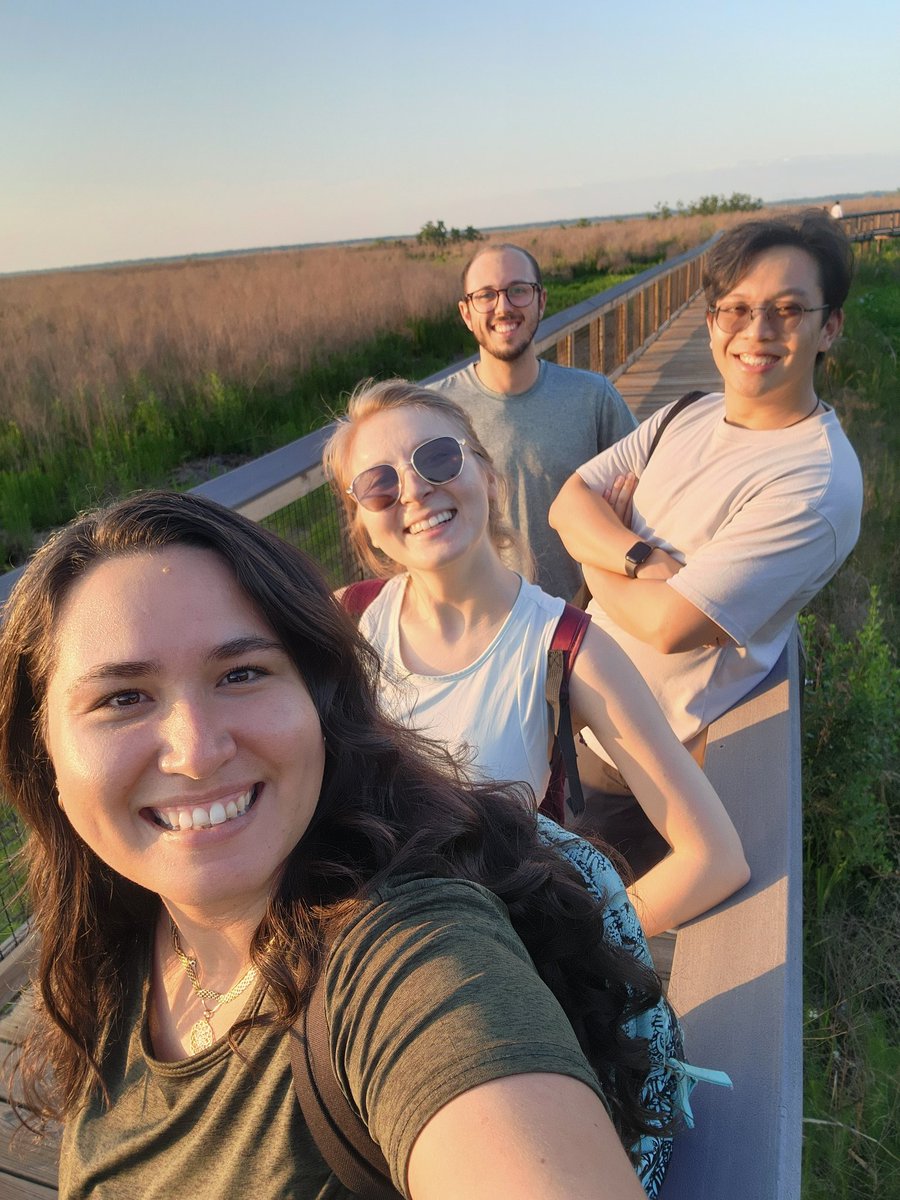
507 332
187 751
432 525
767 371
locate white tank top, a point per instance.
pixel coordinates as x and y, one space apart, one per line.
494 710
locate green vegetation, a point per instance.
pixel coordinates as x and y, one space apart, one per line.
13 909
707 206
852 789
564 293
144 440
436 233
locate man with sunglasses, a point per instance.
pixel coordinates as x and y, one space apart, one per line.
537 420
700 558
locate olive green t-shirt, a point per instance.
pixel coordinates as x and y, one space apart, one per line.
429 992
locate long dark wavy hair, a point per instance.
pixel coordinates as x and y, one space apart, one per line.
391 804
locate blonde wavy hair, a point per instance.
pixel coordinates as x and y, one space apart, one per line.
370 397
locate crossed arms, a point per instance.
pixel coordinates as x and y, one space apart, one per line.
595 531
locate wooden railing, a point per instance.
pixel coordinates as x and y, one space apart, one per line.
607 332
866 225
737 974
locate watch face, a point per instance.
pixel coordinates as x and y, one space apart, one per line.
639 553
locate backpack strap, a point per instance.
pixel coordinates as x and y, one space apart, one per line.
356 597
583 596
564 646
342 1137
677 407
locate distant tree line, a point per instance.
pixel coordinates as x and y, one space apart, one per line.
707 206
436 233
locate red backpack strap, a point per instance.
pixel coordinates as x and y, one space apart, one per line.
564 646
356 597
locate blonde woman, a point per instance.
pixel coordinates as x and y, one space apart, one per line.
464 639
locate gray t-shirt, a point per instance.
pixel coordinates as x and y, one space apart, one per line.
417 993
537 439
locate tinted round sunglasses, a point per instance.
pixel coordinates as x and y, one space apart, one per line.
439 460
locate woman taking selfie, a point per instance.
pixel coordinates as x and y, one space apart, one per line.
218 814
464 639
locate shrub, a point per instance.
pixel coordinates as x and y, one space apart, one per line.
850 756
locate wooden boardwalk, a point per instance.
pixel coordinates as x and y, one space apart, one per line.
678 361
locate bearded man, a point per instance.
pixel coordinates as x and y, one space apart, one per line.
539 421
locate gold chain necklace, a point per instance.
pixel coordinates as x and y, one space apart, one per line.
202 1036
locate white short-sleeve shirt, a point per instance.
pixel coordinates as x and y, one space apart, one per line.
761 519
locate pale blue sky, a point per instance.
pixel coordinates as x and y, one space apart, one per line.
132 129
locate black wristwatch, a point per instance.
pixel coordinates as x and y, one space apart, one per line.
636 556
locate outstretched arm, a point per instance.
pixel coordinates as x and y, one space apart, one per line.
523 1137
707 862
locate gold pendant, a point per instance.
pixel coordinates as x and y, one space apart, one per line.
201 1035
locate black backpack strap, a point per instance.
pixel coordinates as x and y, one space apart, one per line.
677 407
339 1132
356 597
564 646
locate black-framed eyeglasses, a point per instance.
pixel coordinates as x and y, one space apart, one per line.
732 318
439 460
520 294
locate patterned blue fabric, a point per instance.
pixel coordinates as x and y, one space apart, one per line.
670 1080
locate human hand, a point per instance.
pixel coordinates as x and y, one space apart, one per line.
619 496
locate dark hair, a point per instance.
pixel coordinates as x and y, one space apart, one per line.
498 246
732 256
370 397
391 803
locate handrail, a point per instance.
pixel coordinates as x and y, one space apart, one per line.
737 972
861 226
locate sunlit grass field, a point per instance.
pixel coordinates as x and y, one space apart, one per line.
852 787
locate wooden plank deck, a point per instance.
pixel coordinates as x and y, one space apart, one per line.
28 1169
678 361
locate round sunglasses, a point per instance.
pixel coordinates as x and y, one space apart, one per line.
439 460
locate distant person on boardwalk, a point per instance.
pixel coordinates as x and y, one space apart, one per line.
836 210
538 420
464 639
700 559
218 815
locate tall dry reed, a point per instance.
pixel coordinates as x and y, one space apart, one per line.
78 347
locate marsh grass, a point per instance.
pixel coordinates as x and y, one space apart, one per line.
78 457
852 787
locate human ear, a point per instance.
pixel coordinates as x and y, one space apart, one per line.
464 313
831 329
